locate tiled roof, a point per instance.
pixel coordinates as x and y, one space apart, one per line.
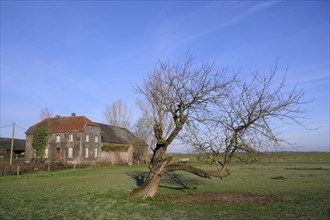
63 124
109 134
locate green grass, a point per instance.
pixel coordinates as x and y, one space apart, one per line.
102 192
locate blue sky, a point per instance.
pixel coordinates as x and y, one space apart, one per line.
79 56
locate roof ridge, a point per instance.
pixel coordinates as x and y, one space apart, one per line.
115 126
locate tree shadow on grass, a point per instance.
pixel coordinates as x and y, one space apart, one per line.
173 181
138 176
178 181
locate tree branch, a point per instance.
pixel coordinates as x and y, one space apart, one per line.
199 172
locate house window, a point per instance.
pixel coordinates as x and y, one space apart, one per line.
70 152
86 152
92 129
87 137
96 139
58 138
46 153
70 137
95 153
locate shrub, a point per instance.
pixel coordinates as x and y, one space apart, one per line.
278 178
24 167
114 147
20 167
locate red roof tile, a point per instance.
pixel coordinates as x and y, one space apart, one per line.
64 124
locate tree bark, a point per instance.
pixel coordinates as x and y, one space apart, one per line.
148 188
151 184
199 172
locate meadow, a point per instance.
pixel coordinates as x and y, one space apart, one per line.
285 186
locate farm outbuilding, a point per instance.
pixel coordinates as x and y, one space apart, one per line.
5 146
121 146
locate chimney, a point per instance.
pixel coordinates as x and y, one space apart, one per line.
73 114
57 116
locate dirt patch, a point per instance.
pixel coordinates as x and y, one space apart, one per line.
226 198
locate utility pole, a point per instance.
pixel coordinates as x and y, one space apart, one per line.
12 144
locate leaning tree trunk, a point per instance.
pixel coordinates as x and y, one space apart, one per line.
161 168
148 188
157 170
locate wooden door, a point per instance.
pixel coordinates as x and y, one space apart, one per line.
57 154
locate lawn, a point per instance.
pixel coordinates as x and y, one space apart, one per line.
289 186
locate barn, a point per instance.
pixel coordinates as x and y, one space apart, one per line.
119 145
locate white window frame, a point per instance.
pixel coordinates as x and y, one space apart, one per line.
96 139
87 138
46 152
58 138
86 152
70 152
70 137
95 153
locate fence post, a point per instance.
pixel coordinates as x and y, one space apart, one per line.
12 145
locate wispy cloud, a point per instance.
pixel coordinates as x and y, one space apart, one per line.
317 80
231 21
172 33
310 74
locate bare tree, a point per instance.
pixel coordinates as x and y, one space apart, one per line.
178 92
45 113
245 121
144 125
218 115
143 129
118 114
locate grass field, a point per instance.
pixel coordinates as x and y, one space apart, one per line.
288 186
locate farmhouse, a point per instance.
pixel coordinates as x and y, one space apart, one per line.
78 139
